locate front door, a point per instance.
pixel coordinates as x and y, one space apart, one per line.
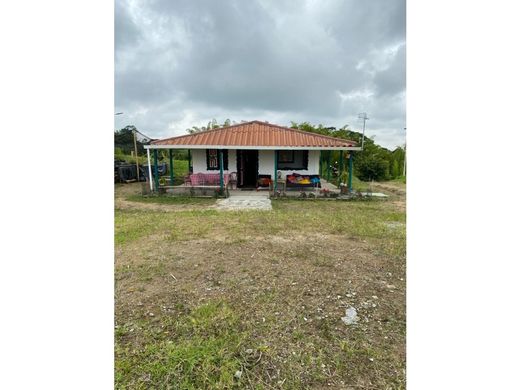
247 167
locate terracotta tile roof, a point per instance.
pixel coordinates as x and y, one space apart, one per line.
256 133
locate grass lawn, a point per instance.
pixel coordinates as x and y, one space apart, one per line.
217 300
170 199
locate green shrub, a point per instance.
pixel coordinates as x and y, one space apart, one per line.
372 168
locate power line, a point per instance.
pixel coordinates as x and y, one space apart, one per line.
144 138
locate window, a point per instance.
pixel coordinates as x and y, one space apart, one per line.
286 156
212 159
289 160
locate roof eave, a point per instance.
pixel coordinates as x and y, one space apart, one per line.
253 147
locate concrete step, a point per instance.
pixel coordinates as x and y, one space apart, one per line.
245 202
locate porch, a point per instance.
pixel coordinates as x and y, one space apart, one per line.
213 189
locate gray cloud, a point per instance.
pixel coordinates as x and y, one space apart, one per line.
181 63
126 31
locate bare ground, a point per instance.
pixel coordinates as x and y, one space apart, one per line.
289 288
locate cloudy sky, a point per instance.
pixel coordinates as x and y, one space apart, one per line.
180 63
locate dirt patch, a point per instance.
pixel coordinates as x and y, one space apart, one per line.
287 285
400 205
282 285
124 190
397 192
398 189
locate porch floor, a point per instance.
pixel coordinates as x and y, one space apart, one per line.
326 185
262 192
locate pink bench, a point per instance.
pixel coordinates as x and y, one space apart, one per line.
208 179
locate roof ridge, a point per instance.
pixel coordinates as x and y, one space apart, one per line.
315 134
302 131
279 127
206 131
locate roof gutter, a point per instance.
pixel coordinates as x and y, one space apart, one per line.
241 147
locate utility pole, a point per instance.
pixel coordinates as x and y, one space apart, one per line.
135 148
363 116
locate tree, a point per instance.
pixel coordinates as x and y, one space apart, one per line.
395 169
213 124
372 167
124 140
372 163
398 156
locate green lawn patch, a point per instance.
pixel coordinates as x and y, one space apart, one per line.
198 351
165 199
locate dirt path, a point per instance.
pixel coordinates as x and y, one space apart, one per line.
396 191
392 187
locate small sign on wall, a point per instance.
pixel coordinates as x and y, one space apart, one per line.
212 159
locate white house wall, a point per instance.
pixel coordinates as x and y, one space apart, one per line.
265 163
198 158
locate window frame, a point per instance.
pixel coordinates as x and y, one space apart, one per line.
305 161
224 157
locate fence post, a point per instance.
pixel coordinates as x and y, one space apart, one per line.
149 169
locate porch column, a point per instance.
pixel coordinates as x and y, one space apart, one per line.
221 164
340 166
350 168
275 182
156 169
328 165
149 169
321 165
171 166
136 156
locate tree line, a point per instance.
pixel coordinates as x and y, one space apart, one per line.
374 162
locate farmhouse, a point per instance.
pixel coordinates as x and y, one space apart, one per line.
251 155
